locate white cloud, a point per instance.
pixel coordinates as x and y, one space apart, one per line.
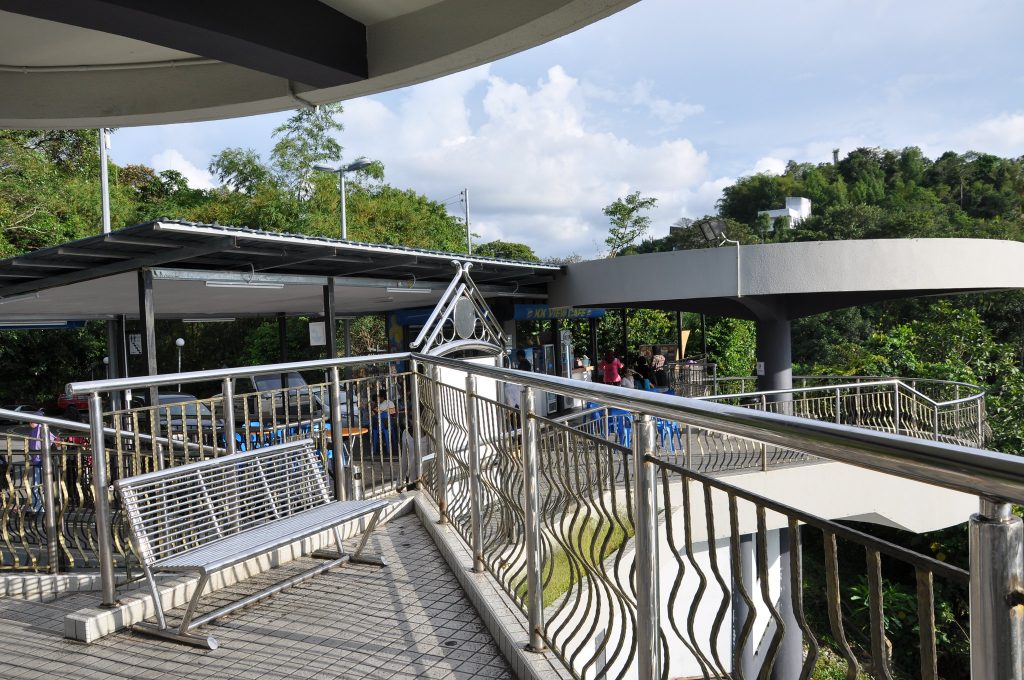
172 159
769 165
1002 135
538 168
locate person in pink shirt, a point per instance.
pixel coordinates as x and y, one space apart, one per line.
611 366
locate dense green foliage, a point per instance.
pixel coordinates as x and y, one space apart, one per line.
50 194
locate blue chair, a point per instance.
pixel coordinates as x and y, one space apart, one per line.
621 423
668 429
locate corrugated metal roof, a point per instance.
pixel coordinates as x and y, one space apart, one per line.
214 247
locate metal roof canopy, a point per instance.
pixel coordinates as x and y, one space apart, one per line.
212 271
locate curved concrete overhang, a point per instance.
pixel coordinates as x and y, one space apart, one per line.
92 63
791 280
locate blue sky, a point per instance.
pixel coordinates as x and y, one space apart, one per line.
673 98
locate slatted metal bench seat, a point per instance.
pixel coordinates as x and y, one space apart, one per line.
207 516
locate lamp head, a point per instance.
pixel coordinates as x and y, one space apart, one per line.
324 168
180 342
357 164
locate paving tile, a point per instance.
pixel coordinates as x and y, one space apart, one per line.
356 621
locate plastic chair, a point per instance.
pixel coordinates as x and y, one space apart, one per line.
621 423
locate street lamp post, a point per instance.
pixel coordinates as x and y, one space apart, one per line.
357 164
180 342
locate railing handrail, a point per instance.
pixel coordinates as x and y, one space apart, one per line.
114 384
960 468
899 382
44 420
872 378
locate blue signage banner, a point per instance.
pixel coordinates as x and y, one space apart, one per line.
545 313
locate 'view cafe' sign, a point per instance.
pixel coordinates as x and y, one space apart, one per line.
546 313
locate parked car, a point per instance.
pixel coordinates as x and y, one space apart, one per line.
264 398
180 415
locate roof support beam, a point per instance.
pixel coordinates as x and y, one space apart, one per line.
305 41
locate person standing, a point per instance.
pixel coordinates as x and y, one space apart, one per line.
35 461
522 363
611 366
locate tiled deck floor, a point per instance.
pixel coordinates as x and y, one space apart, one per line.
408 620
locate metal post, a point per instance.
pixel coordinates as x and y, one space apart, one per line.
469 237
689 447
534 584
341 191
417 423
228 391
104 182
896 406
476 522
440 457
935 424
981 425
101 503
341 487
997 572
839 415
49 507
648 608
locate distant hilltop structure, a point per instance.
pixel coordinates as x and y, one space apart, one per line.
797 209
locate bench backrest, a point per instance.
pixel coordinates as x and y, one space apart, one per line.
182 508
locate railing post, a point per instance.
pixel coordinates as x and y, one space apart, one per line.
341 489
981 425
534 586
228 391
935 418
997 621
475 488
689 448
440 455
49 509
839 415
104 542
417 424
896 406
648 608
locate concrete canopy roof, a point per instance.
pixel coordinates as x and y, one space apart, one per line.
791 280
214 271
92 63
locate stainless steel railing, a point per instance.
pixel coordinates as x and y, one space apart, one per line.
890 405
572 524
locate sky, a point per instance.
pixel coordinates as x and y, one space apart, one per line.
672 98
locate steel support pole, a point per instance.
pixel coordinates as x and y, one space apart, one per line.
330 321
534 584
981 425
476 520
341 485
147 315
997 601
101 503
440 456
227 390
648 607
417 423
49 502
790 657
896 407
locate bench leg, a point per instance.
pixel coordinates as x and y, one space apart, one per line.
181 634
357 556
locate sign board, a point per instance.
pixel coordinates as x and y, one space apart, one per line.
544 313
135 343
760 367
317 333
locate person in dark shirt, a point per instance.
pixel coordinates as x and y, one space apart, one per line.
522 363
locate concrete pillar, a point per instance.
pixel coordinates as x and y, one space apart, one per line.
790 657
774 350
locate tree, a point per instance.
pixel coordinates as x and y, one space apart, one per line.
305 140
628 221
507 250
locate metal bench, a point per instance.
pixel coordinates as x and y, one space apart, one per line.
207 516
